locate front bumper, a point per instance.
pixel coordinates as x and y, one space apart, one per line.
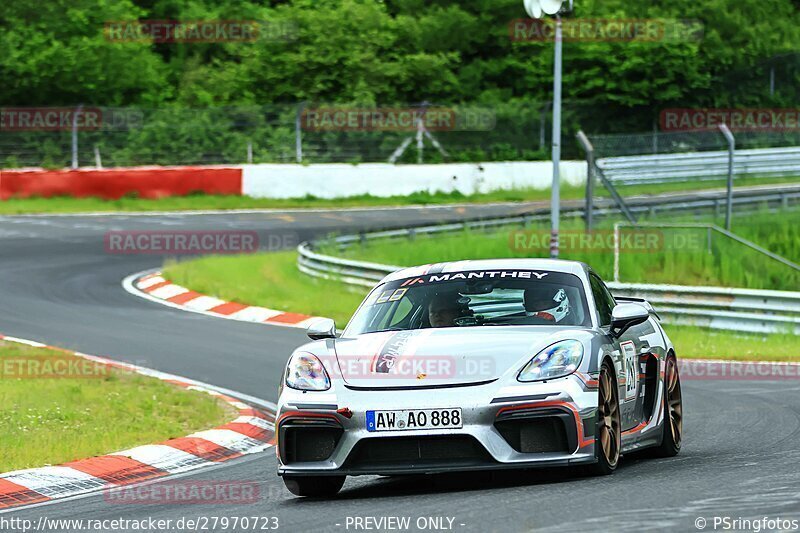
540 424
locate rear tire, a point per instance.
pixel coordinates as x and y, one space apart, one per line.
673 412
608 434
314 486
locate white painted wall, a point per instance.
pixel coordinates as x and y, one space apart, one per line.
383 179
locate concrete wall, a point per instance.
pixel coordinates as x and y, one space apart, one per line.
287 181
147 182
381 179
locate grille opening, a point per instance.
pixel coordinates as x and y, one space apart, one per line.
535 435
650 385
301 444
417 451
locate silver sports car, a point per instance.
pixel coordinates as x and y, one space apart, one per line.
508 363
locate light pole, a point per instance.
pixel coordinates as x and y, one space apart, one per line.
75 116
536 9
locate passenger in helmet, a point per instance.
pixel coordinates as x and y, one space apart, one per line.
547 302
444 308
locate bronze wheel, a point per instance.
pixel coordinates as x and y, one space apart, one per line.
609 431
674 403
672 434
608 434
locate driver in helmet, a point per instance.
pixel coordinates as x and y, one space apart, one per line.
445 308
549 303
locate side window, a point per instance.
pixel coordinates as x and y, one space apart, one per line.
401 312
390 314
602 300
609 297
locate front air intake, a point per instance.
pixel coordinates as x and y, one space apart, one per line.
304 443
537 435
539 430
422 451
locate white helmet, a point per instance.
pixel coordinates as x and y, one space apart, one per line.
548 302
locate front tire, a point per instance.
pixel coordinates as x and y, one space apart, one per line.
608 434
314 486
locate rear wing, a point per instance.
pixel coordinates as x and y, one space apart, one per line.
640 301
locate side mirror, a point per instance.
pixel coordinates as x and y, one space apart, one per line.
324 328
625 316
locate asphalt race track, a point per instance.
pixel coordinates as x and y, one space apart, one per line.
58 285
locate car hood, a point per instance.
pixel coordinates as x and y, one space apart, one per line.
439 357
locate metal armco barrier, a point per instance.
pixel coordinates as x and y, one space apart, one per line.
756 311
700 166
746 310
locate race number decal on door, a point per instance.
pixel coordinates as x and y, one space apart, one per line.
631 369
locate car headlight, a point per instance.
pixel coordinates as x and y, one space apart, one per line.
556 361
305 372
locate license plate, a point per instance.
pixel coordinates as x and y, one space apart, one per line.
411 419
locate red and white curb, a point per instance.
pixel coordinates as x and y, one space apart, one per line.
153 286
251 432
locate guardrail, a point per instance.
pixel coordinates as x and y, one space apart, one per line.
747 310
702 166
757 311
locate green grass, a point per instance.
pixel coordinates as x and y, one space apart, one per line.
725 263
777 232
214 202
272 280
52 420
704 343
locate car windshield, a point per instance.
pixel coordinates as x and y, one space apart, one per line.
473 299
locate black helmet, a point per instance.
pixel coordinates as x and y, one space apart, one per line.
547 301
